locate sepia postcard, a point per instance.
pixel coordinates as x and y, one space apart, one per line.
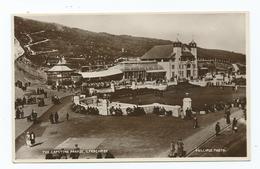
130 87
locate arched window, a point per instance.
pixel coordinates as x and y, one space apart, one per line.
188 65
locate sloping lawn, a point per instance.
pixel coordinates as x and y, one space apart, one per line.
174 96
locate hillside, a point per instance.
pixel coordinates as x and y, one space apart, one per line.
43 42
221 54
74 43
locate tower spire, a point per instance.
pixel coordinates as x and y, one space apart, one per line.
192 38
177 37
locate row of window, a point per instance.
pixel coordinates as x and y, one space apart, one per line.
181 74
183 66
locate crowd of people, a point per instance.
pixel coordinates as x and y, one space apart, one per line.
89 110
234 125
29 100
108 154
240 103
54 117
64 88
220 105
116 111
189 114
161 111
177 149
22 86
33 116
98 85
19 112
135 111
30 139
20 102
40 91
55 99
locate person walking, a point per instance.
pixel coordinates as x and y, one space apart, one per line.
56 117
217 128
234 125
51 118
67 116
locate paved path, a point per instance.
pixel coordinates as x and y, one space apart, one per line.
201 136
21 125
44 128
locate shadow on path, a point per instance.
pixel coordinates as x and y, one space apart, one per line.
37 128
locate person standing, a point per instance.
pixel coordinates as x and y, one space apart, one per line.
32 138
67 116
227 112
217 128
99 155
195 123
51 118
172 150
24 100
28 139
244 112
109 155
56 117
180 151
76 152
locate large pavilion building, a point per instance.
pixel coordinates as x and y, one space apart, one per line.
178 60
172 62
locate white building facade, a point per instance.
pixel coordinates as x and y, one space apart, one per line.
178 60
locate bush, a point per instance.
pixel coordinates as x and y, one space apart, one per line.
169 113
118 112
136 111
159 111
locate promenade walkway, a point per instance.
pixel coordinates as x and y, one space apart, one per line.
198 138
21 125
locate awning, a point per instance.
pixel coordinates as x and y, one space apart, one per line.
155 71
104 73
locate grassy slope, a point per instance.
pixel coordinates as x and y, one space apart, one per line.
199 96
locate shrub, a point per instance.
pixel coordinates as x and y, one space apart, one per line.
136 111
169 113
159 110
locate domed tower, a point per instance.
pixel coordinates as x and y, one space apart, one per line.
193 47
177 46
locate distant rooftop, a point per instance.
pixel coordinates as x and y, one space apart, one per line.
166 52
159 52
60 68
